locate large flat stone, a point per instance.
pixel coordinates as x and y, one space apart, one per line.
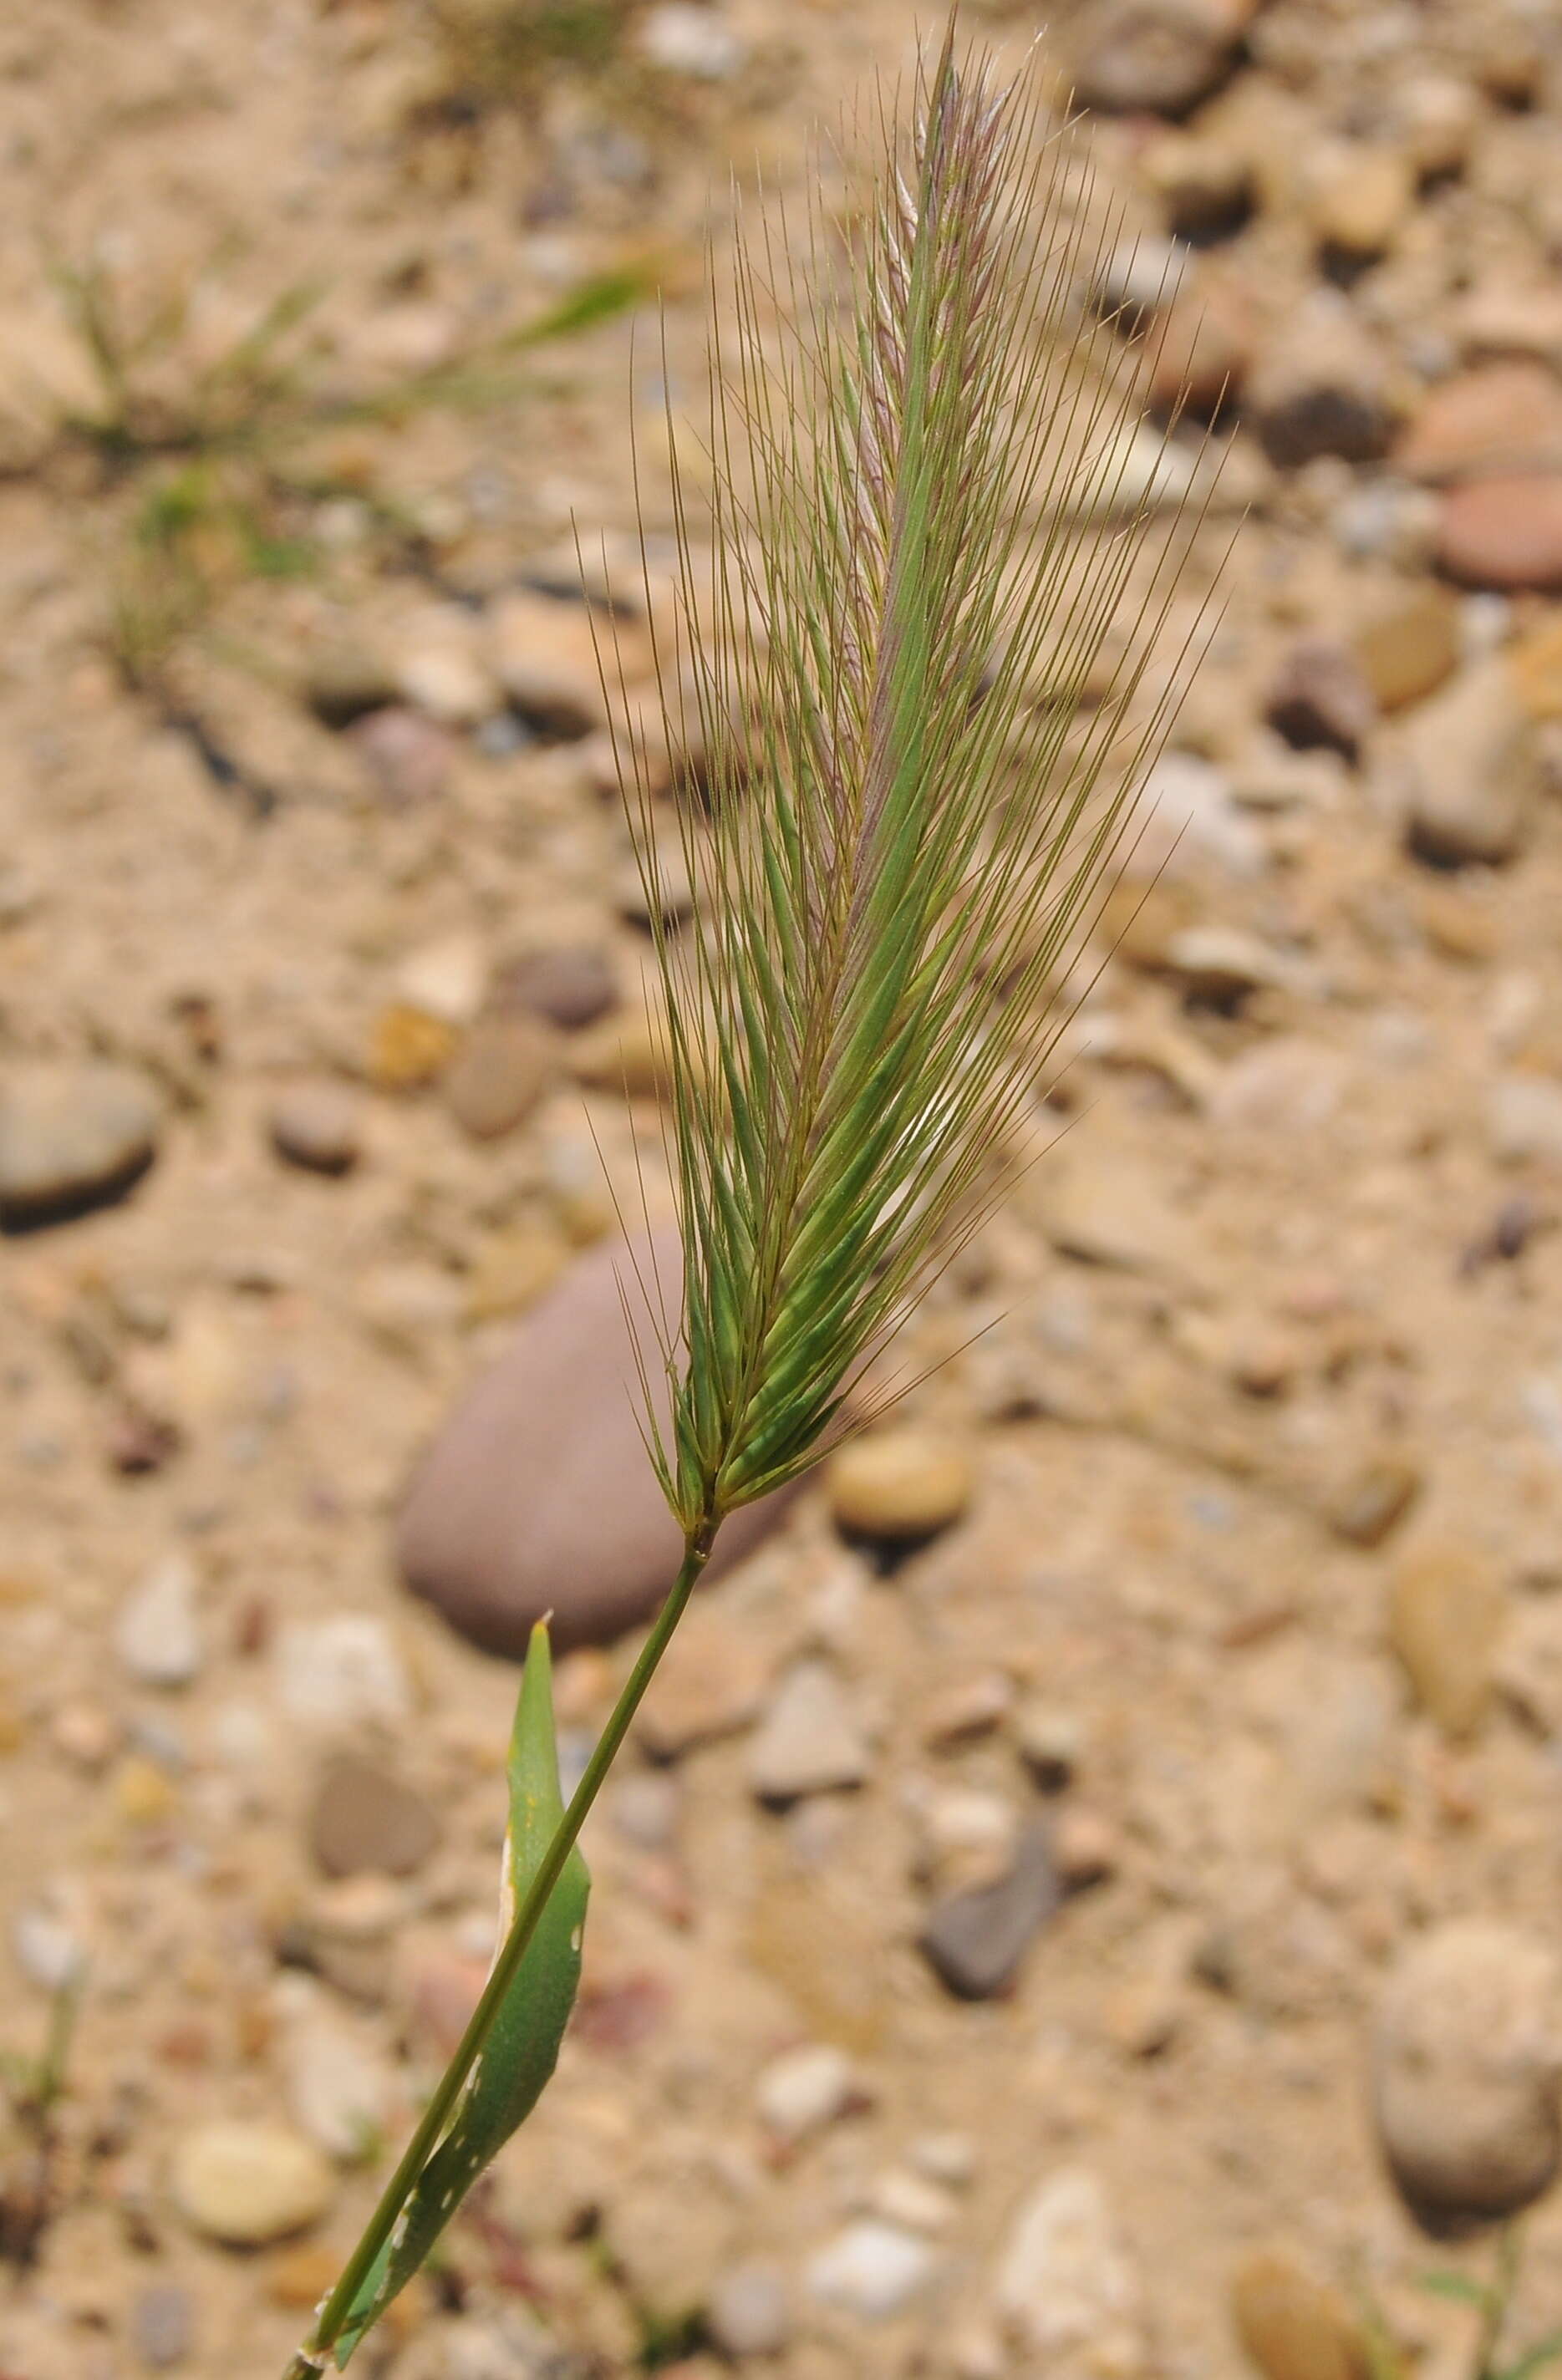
538 1494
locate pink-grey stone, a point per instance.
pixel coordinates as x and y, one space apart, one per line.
537 1495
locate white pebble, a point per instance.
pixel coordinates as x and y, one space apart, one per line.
157 1634
871 2269
334 1675
805 2090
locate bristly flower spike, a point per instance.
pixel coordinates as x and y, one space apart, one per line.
901 849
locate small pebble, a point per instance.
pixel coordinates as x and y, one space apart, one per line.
341 1672
1064 2281
72 1136
498 1075
806 2089
161 2327
810 1741
1292 2326
1446 1614
899 1485
1505 534
1320 700
157 1634
365 1819
570 987
1149 56
871 2269
1371 1505
247 2182
1464 2073
318 1126
750 2311
686 39
544 650
975 1940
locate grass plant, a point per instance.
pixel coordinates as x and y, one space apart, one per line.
895 864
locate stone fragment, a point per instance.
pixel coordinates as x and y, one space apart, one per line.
1525 1119
408 1048
339 1673
1498 422
544 650
1138 278
871 2269
1360 204
1051 1740
1446 1614
683 39
1198 355
536 1495
1322 388
161 2327
1408 649
443 679
1158 57
1372 1502
750 2311
365 1818
498 1075
898 1486
157 1634
247 2182
1098 1212
806 2089
1534 665
630 1053
1469 777
49 1952
344 684
1290 2325
318 1126
1465 2073
1206 188
1065 2286
510 1271
975 1940
811 1739
72 1136
711 1682
1320 700
1437 116
570 987
409 757
1505 534
445 979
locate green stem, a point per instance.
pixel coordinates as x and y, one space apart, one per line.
311 2360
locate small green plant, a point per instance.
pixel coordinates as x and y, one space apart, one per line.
1490 2300
214 468
889 877
35 2082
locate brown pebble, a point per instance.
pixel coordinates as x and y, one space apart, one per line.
499 1076
1504 534
364 1817
409 1048
317 1125
1406 650
1446 1616
1292 2326
1374 1500
570 988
